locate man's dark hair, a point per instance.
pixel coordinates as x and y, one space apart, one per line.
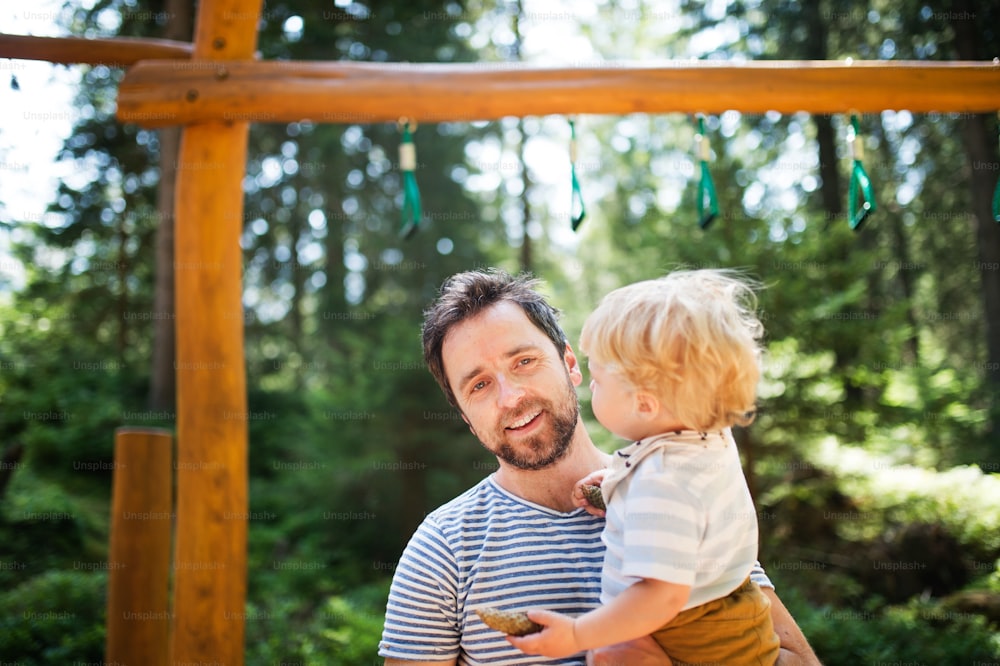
465 295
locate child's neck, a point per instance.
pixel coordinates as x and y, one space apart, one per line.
662 423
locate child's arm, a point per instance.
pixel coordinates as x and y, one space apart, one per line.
638 611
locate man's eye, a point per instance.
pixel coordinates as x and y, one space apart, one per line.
525 361
478 385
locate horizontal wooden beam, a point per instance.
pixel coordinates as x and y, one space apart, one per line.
168 93
117 52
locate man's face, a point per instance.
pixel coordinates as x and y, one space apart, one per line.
514 389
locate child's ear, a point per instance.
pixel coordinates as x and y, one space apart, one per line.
646 404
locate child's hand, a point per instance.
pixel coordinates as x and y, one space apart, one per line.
580 498
556 640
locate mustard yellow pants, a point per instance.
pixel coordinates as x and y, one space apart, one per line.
733 631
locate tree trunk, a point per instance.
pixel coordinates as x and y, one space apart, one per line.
981 146
830 188
890 212
979 133
829 171
122 265
906 278
826 137
527 260
333 296
162 383
298 278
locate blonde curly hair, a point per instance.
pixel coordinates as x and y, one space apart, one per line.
691 338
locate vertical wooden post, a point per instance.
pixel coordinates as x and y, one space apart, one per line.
212 502
139 554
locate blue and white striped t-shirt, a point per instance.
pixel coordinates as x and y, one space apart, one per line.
488 547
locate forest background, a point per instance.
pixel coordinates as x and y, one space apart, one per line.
874 459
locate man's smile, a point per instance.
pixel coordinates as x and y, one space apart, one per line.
523 421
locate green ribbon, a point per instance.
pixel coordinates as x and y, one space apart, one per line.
577 209
860 182
996 190
708 200
996 202
411 193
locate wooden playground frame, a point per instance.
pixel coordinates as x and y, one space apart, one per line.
215 88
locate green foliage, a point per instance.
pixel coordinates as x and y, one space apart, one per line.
57 617
72 529
916 632
63 397
341 630
963 499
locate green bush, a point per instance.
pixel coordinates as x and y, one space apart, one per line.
55 618
963 499
919 632
343 630
43 527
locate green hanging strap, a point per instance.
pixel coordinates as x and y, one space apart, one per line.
996 191
708 200
411 194
577 210
860 183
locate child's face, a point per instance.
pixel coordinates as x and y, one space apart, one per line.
614 402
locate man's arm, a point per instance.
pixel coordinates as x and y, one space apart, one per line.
419 626
795 650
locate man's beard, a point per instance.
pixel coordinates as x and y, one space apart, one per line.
545 448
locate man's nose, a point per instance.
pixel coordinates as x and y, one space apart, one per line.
509 391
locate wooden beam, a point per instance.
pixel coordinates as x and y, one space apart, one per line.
210 561
139 553
156 93
117 52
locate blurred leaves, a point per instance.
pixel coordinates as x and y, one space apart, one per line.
56 617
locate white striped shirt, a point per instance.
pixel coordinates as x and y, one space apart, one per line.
679 511
488 547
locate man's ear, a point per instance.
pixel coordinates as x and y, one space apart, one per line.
572 366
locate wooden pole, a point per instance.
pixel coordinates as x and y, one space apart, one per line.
212 498
117 52
162 93
139 554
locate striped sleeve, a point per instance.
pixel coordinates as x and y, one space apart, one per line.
421 618
759 576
